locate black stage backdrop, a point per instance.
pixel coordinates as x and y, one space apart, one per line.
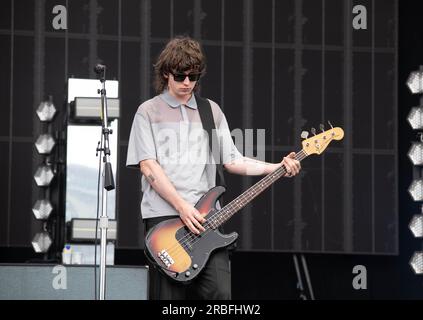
283 66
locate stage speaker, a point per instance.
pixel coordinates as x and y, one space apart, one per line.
70 282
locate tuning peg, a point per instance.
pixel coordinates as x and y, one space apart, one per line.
304 134
330 124
313 131
322 127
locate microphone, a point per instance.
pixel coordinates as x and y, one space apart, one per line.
99 68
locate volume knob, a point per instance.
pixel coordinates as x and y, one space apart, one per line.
187 274
195 266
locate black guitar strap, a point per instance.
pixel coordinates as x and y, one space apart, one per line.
206 116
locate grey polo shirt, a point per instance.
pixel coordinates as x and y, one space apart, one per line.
172 134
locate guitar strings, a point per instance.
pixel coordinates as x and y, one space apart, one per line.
190 238
193 237
233 204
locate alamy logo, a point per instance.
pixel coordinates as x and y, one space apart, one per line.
360 280
60 21
60 281
360 20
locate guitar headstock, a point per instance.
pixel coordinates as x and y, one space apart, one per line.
319 142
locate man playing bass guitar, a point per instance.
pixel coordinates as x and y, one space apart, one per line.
175 162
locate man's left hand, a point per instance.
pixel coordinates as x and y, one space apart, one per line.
292 166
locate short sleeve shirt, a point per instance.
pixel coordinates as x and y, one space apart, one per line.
172 134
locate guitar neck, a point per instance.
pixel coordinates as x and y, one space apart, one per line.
242 200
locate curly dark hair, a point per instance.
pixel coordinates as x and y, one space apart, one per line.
179 55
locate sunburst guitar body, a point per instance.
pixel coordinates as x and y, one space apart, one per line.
181 254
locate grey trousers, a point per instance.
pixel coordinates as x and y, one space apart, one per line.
213 283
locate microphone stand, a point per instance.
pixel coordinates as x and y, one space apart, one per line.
107 179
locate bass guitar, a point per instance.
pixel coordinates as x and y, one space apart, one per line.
181 254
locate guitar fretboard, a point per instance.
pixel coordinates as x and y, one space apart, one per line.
242 200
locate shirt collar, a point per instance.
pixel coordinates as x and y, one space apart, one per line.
174 103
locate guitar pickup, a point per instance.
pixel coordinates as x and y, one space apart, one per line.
166 258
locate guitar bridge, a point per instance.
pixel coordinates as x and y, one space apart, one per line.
166 258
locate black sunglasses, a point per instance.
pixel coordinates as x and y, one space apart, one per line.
179 77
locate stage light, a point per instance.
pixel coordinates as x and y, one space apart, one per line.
416 153
43 176
42 209
416 225
46 111
415 118
416 262
416 190
41 242
45 143
85 230
86 108
415 82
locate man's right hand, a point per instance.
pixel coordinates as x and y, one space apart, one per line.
192 218
158 179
